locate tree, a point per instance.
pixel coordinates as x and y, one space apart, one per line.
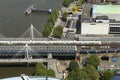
80 2
78 74
48 29
53 17
93 61
74 75
91 72
64 17
50 23
73 65
57 32
51 73
66 3
87 73
107 75
40 69
55 14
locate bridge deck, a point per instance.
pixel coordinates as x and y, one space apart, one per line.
22 60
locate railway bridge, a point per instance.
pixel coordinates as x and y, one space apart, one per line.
34 47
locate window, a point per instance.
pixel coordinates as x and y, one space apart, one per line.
114 29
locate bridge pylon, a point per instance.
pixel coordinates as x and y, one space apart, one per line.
32 33
27 50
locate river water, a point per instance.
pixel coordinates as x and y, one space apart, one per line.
16 70
13 23
116 78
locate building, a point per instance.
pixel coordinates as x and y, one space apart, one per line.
99 1
102 20
113 1
112 11
94 1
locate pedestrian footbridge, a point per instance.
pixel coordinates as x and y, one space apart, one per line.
23 60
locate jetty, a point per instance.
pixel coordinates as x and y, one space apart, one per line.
33 9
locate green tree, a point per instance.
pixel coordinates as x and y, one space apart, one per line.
48 29
86 73
73 65
80 2
93 61
66 3
91 72
51 73
50 23
78 74
107 75
40 69
64 17
74 75
57 32
53 17
55 14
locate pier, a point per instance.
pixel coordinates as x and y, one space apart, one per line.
32 9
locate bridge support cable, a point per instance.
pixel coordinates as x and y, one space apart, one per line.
31 33
27 51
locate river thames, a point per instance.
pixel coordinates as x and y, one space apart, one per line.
13 22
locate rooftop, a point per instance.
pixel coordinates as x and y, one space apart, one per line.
106 9
102 18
